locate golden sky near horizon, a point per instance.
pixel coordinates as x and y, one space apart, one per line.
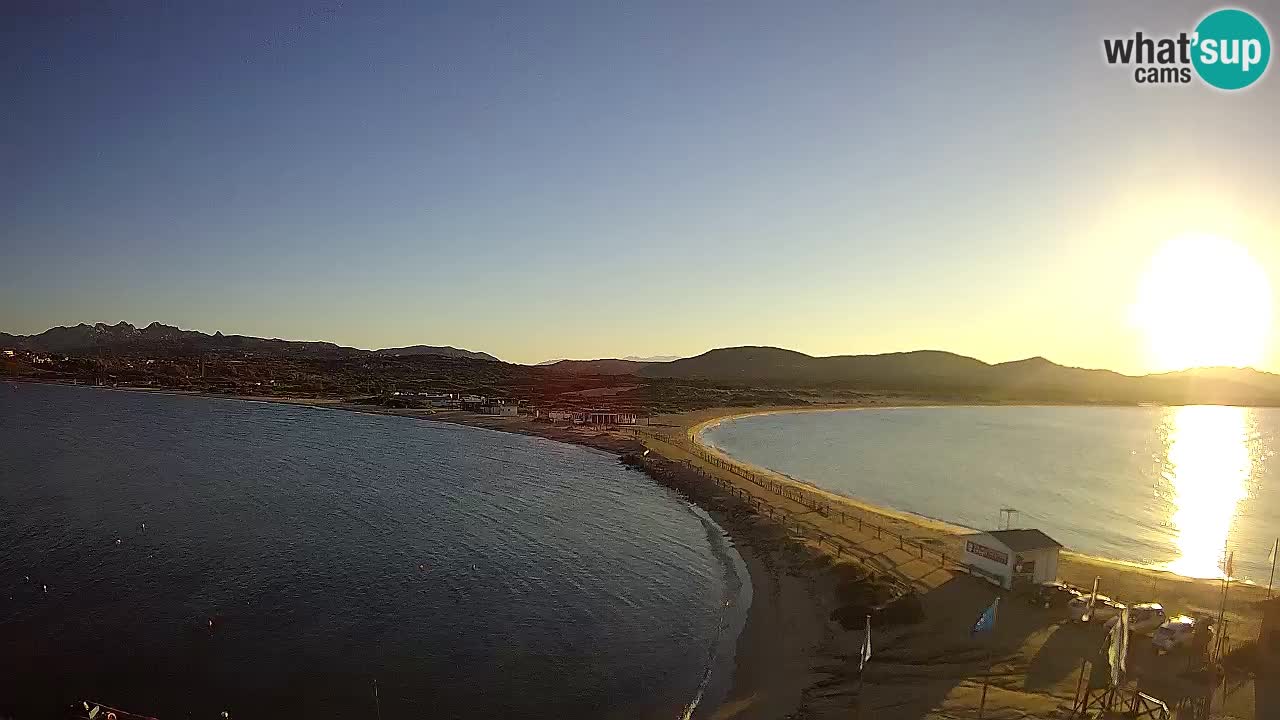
771 179
1150 285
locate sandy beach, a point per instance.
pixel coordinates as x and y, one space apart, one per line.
796 658
1037 657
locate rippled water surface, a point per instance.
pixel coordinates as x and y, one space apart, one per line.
1165 487
291 556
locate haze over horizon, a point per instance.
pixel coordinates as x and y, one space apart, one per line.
591 182
667 357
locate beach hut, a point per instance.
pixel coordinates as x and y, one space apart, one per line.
1006 557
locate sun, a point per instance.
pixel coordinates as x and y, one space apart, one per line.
1203 302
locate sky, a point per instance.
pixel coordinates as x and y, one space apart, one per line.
599 179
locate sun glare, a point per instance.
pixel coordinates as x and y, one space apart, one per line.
1203 302
1209 467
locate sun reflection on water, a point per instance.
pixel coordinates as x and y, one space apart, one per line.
1209 466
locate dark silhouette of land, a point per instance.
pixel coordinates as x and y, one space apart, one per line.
166 356
946 375
440 350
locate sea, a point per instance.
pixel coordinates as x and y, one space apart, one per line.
1183 489
183 557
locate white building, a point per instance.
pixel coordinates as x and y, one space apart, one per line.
502 410
608 417
1005 557
438 399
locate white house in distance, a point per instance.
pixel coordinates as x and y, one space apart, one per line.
608 417
1008 556
500 408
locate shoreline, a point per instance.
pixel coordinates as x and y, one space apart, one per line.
695 435
1045 682
692 424
790 656
758 687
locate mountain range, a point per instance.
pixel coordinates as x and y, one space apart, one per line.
931 373
568 364
167 339
945 374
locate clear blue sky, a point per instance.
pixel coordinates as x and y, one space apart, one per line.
593 179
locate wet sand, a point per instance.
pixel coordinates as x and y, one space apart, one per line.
1037 656
788 622
794 660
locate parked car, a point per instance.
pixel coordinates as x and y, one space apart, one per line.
1146 618
1183 632
1052 595
1143 619
1104 608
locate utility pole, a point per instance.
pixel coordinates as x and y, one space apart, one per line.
1220 630
1275 550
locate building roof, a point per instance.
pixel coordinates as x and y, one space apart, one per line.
1021 540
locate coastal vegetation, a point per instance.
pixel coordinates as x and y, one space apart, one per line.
161 356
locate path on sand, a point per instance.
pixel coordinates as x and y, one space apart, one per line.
935 670
875 542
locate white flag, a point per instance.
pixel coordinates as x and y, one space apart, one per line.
1118 653
866 646
1272 558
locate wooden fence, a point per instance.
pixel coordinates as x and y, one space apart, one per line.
1130 703
812 500
840 545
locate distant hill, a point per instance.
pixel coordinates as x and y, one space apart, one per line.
596 367
627 359
933 372
922 373
652 358
443 351
775 366
169 340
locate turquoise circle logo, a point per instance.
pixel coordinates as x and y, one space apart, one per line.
1232 49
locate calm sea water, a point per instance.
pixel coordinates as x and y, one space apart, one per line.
1162 487
471 573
